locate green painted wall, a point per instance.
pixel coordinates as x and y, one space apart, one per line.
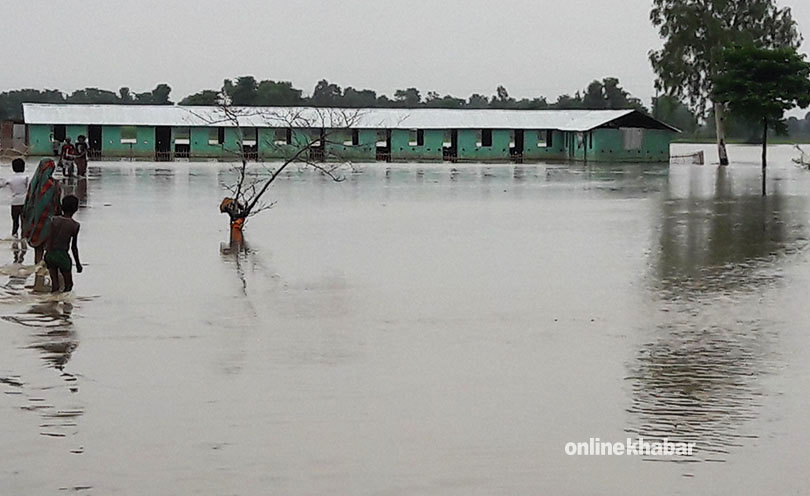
39 140
468 149
112 147
339 147
531 150
608 146
403 149
73 132
602 145
200 146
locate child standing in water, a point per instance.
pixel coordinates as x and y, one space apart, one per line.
18 184
64 234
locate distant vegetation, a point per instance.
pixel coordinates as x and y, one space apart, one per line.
246 90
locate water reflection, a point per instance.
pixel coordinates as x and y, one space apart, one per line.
698 377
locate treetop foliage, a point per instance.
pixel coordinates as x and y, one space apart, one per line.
247 91
695 32
762 84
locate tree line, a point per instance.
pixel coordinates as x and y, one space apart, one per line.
606 93
247 91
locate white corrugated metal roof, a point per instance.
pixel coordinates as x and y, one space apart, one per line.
303 117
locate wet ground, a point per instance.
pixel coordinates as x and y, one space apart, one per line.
418 329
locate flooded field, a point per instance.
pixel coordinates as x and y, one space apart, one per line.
418 330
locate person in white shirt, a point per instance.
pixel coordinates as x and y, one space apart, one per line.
18 184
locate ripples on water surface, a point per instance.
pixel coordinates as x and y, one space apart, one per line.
417 329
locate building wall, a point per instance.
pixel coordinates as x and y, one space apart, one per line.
531 138
403 151
73 132
39 140
339 147
200 146
603 145
608 146
468 149
112 147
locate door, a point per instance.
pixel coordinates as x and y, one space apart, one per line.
163 143
517 149
94 138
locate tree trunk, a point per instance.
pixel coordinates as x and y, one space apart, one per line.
720 130
764 153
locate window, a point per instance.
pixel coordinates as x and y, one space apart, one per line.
182 136
315 136
249 136
129 135
382 138
417 137
632 138
486 137
59 132
353 140
282 136
549 138
543 138
216 136
447 139
590 140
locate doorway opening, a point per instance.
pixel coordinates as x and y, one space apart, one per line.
94 142
450 150
516 151
163 144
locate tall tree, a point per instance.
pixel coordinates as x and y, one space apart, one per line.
160 95
280 93
674 112
408 98
353 98
326 94
204 97
243 92
762 84
92 95
125 95
695 33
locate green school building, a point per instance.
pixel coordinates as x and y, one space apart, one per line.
169 132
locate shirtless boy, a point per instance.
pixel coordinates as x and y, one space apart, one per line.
64 234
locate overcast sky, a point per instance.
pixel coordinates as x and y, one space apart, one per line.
533 47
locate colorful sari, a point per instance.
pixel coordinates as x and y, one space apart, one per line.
42 202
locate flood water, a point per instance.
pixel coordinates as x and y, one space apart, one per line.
418 330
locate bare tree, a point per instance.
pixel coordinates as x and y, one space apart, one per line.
307 132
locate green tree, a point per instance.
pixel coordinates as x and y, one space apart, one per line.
93 95
477 101
695 33
281 93
762 84
243 92
501 99
11 101
125 95
326 94
674 112
160 95
409 98
568 102
433 100
204 97
353 98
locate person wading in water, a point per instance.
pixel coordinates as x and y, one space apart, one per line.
42 202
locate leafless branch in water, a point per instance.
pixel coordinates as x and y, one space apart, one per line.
307 132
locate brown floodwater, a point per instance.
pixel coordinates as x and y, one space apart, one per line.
418 330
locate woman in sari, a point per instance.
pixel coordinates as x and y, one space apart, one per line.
41 203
